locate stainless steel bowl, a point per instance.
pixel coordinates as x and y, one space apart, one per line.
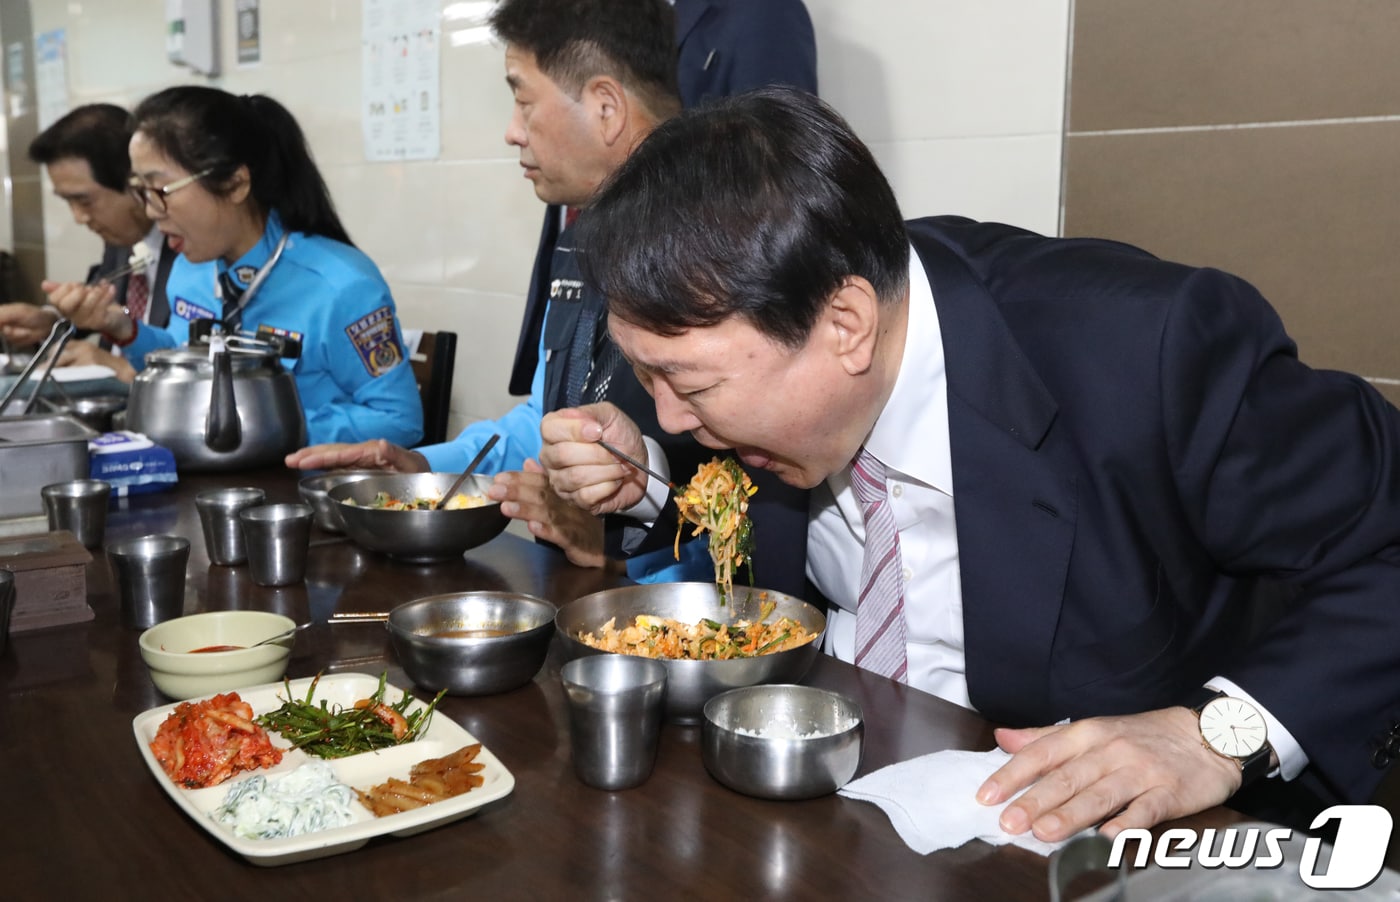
97 411
313 491
416 536
689 684
782 742
469 665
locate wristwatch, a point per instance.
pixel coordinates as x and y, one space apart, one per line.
1235 729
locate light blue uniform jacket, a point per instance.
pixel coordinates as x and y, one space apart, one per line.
353 375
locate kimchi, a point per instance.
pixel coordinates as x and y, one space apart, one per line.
204 743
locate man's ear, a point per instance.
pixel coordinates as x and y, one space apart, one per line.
609 103
851 321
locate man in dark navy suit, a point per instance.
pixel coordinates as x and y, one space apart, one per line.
85 154
728 47
1054 470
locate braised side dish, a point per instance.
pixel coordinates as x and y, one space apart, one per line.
428 782
717 499
708 640
204 743
459 501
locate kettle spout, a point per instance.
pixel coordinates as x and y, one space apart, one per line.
222 431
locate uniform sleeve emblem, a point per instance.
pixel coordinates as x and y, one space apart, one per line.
191 311
376 339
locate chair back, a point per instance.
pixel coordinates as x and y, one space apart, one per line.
433 363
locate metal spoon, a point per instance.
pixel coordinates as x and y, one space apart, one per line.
282 635
476 461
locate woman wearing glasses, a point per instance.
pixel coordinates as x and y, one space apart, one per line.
230 182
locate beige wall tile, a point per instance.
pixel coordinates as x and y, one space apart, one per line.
1005 179
1305 213
921 69
490 224
1149 63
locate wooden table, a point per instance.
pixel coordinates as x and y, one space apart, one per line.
85 818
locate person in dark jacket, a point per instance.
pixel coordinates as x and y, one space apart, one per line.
1047 474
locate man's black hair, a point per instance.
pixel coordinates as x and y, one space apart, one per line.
760 206
572 41
97 133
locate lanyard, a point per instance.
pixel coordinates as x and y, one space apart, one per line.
261 276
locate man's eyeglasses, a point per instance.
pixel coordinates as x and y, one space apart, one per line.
155 197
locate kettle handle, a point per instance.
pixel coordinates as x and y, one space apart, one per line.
222 431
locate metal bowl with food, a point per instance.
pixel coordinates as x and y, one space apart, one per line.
472 643
417 536
691 683
782 742
314 491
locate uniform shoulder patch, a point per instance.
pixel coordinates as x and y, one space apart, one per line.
376 339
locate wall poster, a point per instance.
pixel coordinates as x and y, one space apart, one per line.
51 76
400 110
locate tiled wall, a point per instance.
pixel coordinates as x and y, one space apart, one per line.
962 102
1258 136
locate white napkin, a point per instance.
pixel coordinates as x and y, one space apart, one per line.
931 801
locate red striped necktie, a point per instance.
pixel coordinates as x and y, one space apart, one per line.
880 608
138 295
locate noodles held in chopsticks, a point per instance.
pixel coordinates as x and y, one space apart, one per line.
717 499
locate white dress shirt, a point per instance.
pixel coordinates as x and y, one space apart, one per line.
911 439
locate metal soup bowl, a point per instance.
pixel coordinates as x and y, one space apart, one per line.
416 536
420 632
689 684
782 742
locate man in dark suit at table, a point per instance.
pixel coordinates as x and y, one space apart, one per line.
1132 446
85 155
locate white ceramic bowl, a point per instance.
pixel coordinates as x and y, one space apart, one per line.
167 650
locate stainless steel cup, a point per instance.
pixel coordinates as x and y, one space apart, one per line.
150 575
223 531
278 536
7 607
615 710
79 506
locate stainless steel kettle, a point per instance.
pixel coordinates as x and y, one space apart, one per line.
225 405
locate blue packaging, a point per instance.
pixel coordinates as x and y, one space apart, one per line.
131 463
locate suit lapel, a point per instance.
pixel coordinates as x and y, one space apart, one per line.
1015 514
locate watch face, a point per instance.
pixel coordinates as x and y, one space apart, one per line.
1233 727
